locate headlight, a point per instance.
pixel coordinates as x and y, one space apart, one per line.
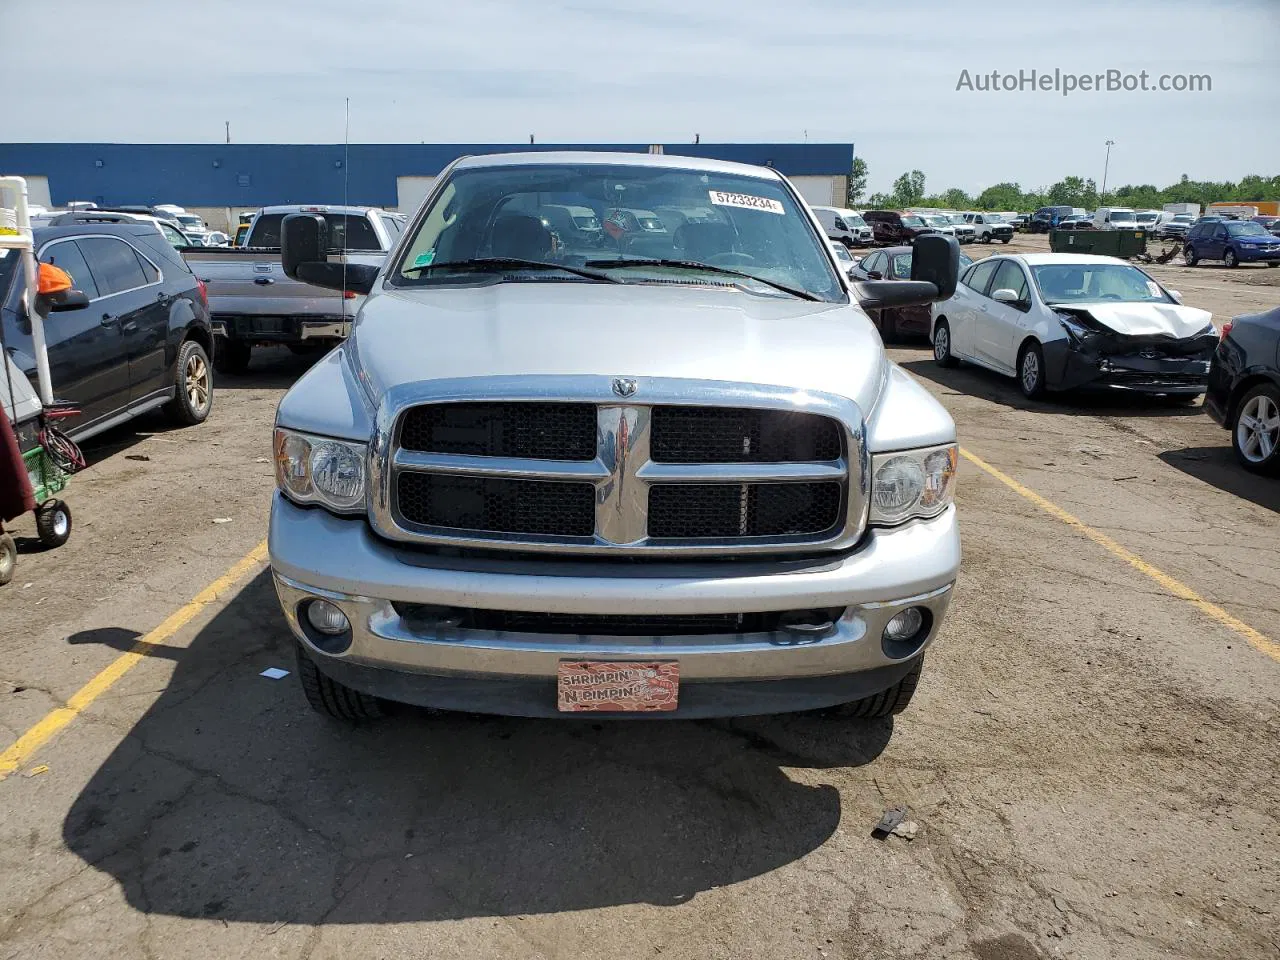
912 483
311 469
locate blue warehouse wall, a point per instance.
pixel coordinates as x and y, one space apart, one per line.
255 174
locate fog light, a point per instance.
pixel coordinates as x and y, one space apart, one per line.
904 625
327 618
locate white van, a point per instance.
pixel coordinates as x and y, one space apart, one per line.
844 226
1115 218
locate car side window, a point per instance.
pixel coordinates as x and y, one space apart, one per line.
148 268
981 276
67 255
393 227
874 262
1220 233
1009 276
173 236
114 264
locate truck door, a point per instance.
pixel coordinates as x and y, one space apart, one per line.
88 360
136 301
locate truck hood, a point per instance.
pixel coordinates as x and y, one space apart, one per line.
1145 319
632 330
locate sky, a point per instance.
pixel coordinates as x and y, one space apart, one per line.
882 75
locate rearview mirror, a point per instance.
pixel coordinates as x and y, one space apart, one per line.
1004 295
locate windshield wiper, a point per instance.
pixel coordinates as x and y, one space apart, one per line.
697 265
507 263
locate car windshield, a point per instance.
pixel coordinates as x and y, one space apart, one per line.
578 216
938 221
352 232
994 218
1246 229
956 218
189 220
1121 216
912 221
1089 282
1183 218
853 220
841 252
1147 217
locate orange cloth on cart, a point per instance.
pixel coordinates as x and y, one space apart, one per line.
51 279
16 495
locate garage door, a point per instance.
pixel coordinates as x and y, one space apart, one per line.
819 191
411 191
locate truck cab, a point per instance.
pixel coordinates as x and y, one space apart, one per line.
544 477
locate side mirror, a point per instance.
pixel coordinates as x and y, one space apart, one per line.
1004 295
304 255
874 275
935 259
304 238
69 300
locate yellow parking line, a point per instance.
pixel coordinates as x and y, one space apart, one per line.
31 741
1176 587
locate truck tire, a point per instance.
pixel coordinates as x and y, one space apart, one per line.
231 356
8 558
192 386
1189 255
332 699
53 523
887 703
1005 239
1230 259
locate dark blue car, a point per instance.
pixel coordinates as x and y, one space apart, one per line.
1232 241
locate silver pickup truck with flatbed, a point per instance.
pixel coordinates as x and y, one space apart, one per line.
252 301
629 475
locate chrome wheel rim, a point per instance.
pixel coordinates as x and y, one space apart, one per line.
941 344
1258 429
7 562
1030 371
1229 259
61 523
197 382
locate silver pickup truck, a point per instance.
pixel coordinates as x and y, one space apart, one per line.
617 471
253 303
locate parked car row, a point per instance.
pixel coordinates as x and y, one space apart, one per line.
894 227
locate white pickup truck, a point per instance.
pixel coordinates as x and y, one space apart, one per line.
252 302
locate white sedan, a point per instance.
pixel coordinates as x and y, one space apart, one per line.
1061 321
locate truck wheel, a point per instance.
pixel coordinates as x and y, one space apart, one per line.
1031 371
942 354
1005 239
231 356
193 386
331 698
1189 255
1256 437
8 558
889 702
1230 259
53 523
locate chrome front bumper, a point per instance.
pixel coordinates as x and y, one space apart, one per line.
316 554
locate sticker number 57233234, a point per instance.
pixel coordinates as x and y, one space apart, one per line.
746 201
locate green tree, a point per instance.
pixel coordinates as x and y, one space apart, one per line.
1001 196
879 201
908 189
956 199
857 182
1074 192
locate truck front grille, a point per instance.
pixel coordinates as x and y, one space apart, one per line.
611 475
741 435
721 510
431 619
539 431
495 505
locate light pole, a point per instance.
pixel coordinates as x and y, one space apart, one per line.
1105 166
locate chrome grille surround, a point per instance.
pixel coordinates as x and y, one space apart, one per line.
622 470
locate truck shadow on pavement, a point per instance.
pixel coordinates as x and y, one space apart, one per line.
230 799
988 385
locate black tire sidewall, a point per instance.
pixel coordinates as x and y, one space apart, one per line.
1270 466
45 518
182 409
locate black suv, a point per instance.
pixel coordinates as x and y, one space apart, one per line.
142 342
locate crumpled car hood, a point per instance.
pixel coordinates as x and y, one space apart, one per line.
1145 319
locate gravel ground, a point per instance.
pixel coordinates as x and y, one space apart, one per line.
1091 760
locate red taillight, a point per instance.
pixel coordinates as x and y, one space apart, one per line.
204 291
1226 328
348 294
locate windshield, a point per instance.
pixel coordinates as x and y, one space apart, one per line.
841 252
1147 217
345 232
938 221
956 218
993 218
588 215
1085 283
912 221
1246 229
1121 216
852 220
188 220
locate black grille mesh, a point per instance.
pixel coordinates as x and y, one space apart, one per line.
737 435
720 510
540 431
553 508
428 619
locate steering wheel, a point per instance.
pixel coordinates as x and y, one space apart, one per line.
731 258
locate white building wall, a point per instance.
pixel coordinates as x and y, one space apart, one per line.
410 192
821 191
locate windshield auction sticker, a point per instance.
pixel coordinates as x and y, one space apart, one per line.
746 201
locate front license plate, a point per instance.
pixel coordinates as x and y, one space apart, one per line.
627 686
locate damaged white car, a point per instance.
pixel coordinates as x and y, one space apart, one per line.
1062 321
